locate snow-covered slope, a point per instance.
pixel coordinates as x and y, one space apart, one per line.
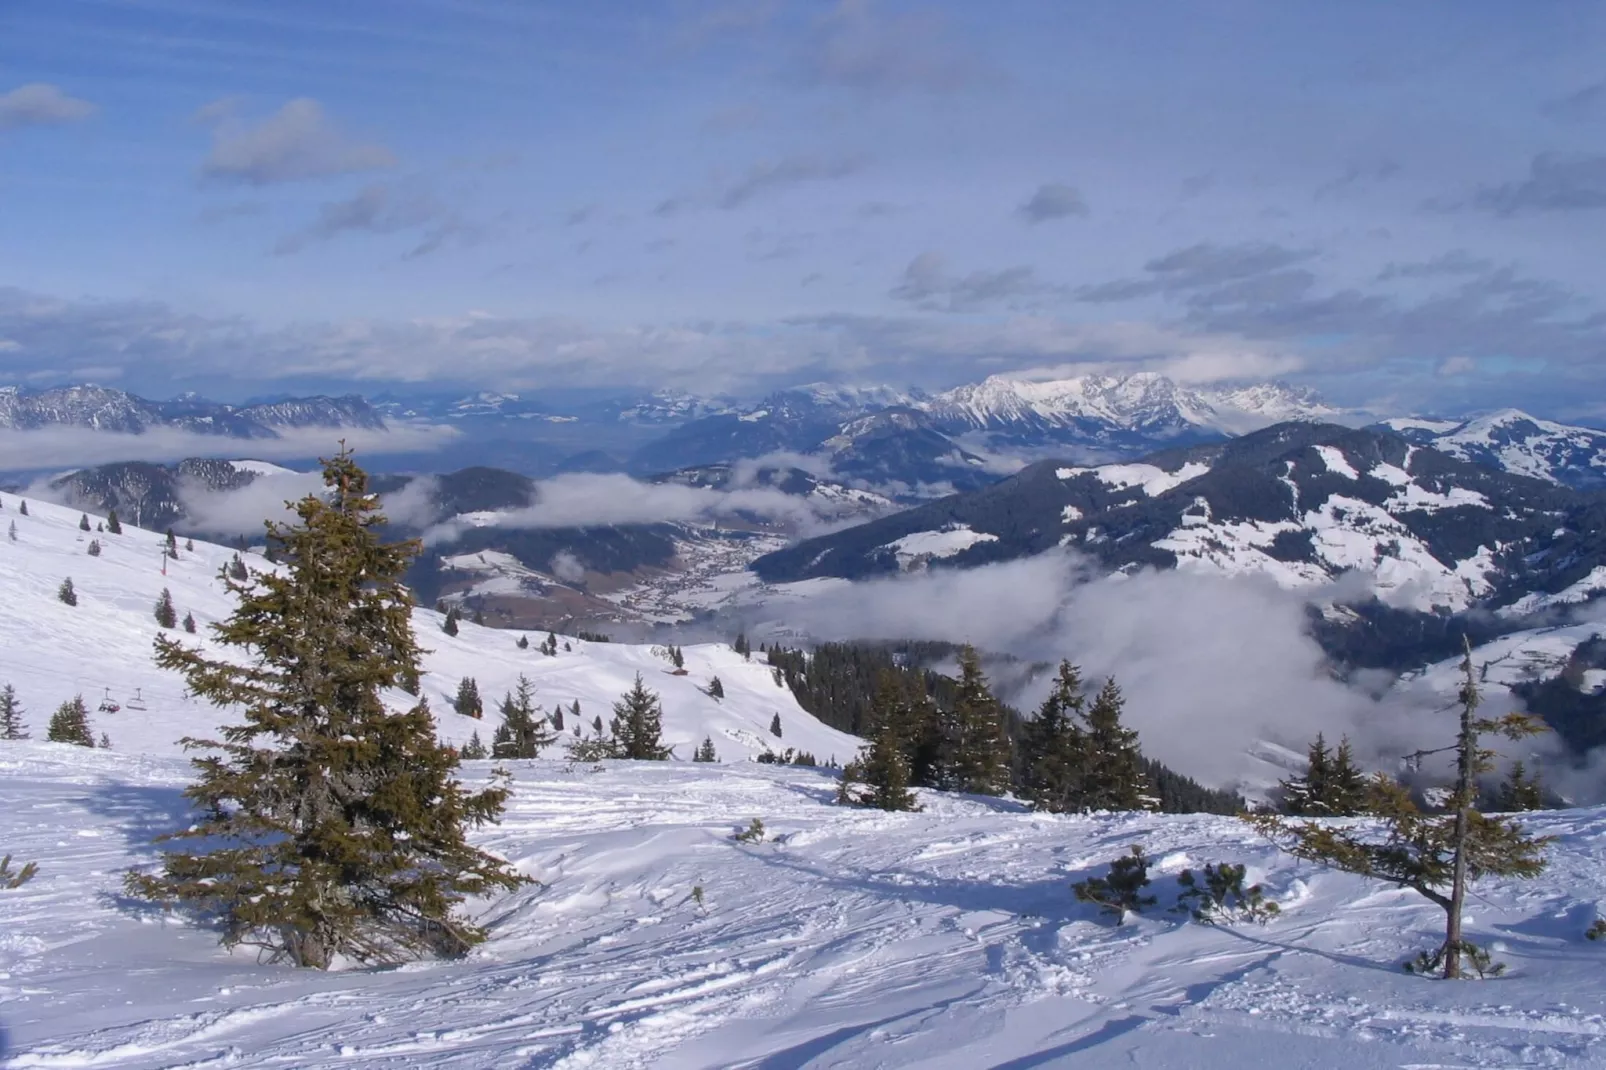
1299 502
1144 402
102 647
946 940
1513 441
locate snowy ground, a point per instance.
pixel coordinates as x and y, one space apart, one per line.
944 939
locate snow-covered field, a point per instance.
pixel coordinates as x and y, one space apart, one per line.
947 938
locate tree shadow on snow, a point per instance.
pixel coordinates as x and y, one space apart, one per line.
141 813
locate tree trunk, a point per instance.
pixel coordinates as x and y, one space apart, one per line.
1466 747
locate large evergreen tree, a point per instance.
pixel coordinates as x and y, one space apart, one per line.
523 731
637 726
330 825
1054 748
70 724
11 726
883 765
166 614
974 755
1115 779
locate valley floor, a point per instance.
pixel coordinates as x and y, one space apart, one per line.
946 939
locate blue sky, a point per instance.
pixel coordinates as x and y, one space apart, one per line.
1402 205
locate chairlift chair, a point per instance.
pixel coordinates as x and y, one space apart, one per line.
107 705
137 702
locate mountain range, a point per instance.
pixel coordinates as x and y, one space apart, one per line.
106 409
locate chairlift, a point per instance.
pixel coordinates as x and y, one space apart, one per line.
107 705
137 703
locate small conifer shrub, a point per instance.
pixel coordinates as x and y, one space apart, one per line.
1222 898
189 623
93 549
83 522
11 879
10 714
113 525
705 751
66 594
22 507
753 833
1120 892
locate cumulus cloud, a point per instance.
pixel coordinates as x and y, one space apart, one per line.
415 505
1209 666
41 104
588 500
299 141
1052 200
64 447
243 510
567 567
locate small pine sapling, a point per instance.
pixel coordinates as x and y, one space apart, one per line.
189 623
705 751
474 750
12 879
523 642
65 593
93 550
113 525
237 570
753 833
775 726
1222 897
22 507
189 544
10 714
1121 891
449 625
83 522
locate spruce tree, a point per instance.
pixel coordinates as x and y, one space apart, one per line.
974 754
166 615
1115 779
66 594
70 724
1055 750
883 766
189 623
1436 855
449 625
113 525
557 718
330 825
637 726
1346 783
551 644
1520 791
775 726
523 731
1308 795
705 751
474 750
468 702
677 658
237 570
22 507
11 726
83 522
523 642
93 550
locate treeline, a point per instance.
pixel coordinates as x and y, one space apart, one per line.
928 729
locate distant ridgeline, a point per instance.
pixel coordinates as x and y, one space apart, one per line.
836 682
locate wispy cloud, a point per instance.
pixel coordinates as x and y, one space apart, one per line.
1556 182
379 209
861 46
928 284
65 447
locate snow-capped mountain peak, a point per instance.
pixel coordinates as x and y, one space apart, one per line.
1514 441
